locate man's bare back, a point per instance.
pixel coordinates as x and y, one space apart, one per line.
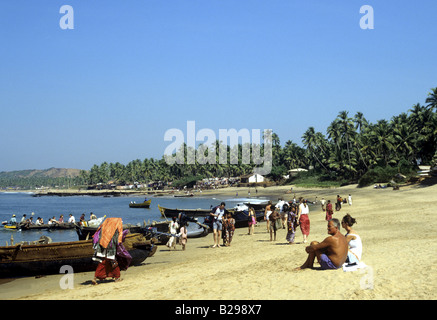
331 252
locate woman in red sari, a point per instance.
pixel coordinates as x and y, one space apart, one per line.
329 211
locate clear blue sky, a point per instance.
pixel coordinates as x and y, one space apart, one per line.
130 70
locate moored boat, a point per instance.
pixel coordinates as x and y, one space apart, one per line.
183 195
169 213
86 232
43 259
145 204
53 226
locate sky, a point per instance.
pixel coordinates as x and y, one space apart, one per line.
109 89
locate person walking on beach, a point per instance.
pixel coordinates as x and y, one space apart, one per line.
275 223
183 236
349 199
173 229
323 203
304 220
251 220
329 211
282 213
353 239
338 203
291 224
217 224
228 230
267 213
331 253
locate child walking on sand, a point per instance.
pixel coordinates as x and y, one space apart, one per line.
183 237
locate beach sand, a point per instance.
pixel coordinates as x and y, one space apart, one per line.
398 229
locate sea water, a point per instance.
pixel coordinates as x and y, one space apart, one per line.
46 207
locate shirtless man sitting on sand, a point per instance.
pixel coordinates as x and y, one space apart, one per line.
331 253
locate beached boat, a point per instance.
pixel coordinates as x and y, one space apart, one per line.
23 226
157 230
169 213
43 259
86 232
54 226
145 204
241 218
258 205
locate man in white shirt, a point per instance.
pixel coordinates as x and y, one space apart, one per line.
217 224
280 206
71 219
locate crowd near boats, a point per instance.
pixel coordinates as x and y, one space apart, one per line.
46 257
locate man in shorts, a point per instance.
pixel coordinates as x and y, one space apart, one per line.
217 224
331 253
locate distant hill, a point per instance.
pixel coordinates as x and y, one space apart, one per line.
47 173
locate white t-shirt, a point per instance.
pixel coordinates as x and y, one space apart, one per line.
279 205
71 219
220 213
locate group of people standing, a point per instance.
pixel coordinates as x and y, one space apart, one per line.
289 216
327 205
334 251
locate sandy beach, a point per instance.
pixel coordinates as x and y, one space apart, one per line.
398 229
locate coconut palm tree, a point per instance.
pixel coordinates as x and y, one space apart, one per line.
432 99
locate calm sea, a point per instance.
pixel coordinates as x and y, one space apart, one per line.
48 206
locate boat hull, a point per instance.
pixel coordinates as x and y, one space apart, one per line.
170 213
145 204
33 260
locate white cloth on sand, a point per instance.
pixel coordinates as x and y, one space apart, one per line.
354 267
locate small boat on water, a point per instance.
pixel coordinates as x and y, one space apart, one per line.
184 195
42 259
145 204
169 213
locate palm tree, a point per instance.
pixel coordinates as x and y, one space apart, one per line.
432 99
309 140
360 122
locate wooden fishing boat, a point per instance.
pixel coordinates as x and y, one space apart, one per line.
54 226
169 213
10 227
145 204
86 232
43 259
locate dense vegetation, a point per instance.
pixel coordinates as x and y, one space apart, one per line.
352 149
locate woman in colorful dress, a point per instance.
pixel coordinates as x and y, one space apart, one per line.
329 211
291 224
251 220
229 228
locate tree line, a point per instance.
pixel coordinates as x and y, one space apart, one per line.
350 148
